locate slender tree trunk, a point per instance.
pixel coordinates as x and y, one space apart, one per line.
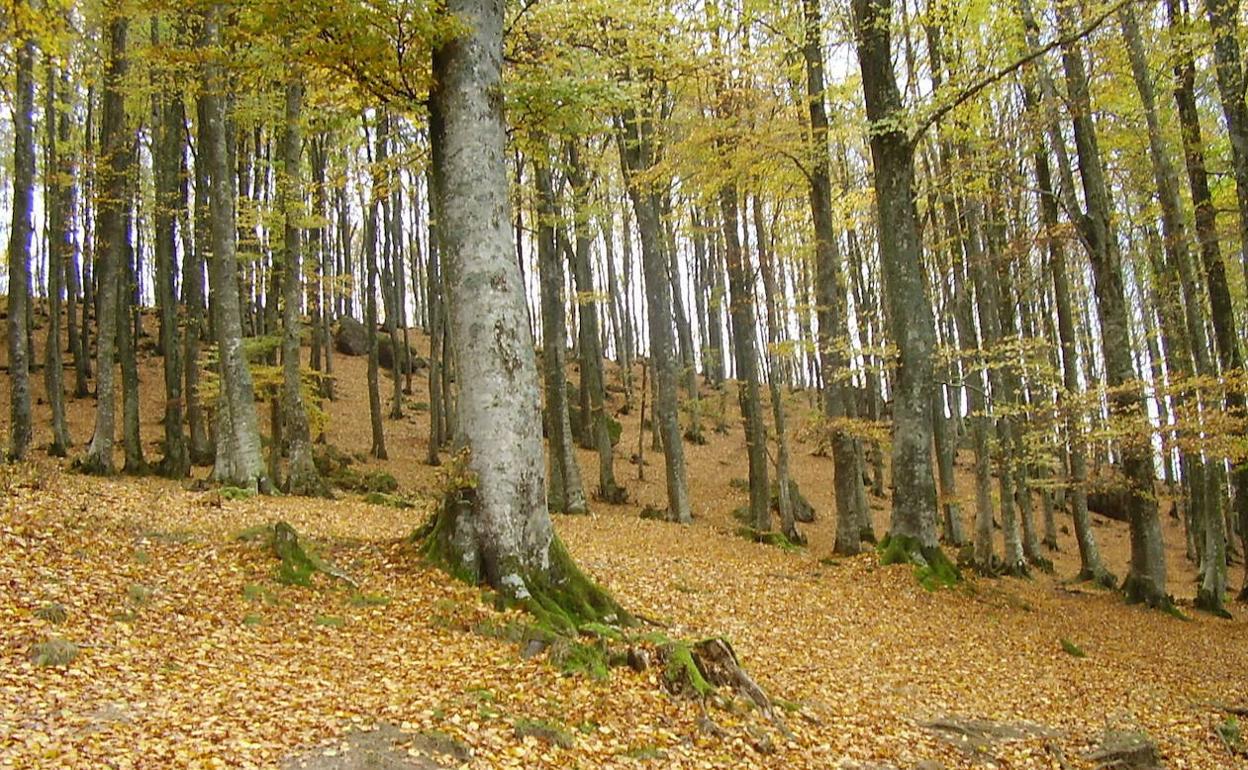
113 170
591 351
436 307
378 448
20 234
637 154
567 495
1146 581
741 307
169 126
202 451
1225 334
830 289
302 477
127 343
60 239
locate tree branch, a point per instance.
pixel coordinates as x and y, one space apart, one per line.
997 76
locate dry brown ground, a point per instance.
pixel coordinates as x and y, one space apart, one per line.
867 654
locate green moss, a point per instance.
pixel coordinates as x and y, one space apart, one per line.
1072 649
253 592
932 568
602 631
776 539
139 594
1214 605
358 599
644 753
329 621
543 730
1232 733
235 493
682 673
573 657
252 619
388 500
258 533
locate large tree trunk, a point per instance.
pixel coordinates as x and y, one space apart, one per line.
112 171
239 458
302 477
496 529
19 249
913 526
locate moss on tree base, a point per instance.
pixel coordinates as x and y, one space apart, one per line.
932 567
561 597
1208 601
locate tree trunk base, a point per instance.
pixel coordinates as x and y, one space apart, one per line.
1098 576
932 567
1141 591
562 597
1209 602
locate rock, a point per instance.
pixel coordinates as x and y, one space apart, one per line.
533 648
1126 750
351 337
385 354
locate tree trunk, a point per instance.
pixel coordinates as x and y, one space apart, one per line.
378 447
591 351
913 527
637 155
169 126
112 172
127 342
302 477
567 495
830 290
202 451
741 307
239 458
19 248
1225 334
60 169
497 529
1146 581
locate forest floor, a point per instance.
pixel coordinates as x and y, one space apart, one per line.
190 654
